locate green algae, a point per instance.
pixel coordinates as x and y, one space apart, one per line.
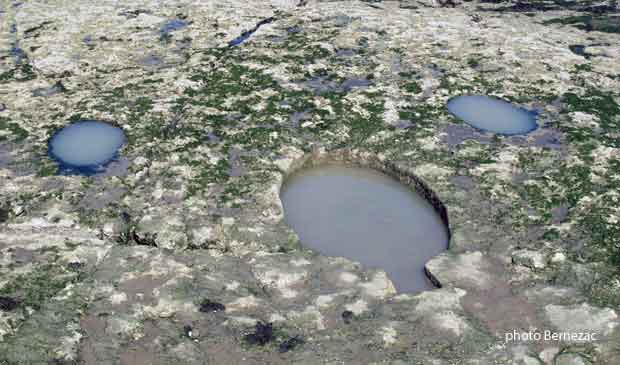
577 179
47 170
583 67
239 86
38 287
362 127
37 332
20 73
473 62
412 87
233 80
601 23
209 174
17 133
143 104
593 101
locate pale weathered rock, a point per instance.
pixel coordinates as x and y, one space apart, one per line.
558 257
570 359
529 258
380 286
582 318
462 270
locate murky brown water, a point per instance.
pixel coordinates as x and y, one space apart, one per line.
366 216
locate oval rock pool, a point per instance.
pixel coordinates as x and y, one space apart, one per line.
493 115
86 146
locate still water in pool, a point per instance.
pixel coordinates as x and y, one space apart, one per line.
492 115
365 216
86 146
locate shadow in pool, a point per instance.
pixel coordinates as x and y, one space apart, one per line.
245 35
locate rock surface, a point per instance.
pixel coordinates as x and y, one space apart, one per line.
178 250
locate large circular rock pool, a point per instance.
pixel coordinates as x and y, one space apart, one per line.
365 216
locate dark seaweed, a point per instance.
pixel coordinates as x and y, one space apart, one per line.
262 335
208 306
290 344
7 304
347 316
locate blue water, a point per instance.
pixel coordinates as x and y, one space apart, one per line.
245 35
151 60
350 84
492 115
169 27
172 25
579 49
18 54
345 52
294 29
48 91
85 147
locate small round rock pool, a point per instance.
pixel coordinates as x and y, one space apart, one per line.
84 147
366 216
492 115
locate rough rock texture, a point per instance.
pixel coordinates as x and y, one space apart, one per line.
115 268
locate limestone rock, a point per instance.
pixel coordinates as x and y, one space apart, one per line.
529 258
571 359
582 318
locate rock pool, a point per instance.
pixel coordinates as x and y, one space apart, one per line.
85 146
492 114
365 216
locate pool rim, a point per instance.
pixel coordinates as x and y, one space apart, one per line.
355 158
